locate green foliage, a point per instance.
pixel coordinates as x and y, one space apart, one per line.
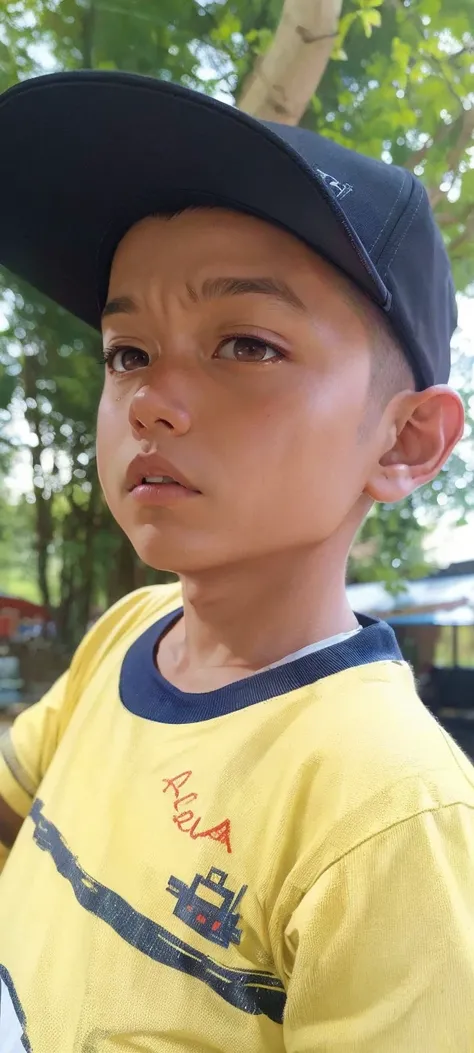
17 554
364 15
390 542
399 87
403 95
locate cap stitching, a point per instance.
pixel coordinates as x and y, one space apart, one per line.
148 84
379 235
405 232
49 80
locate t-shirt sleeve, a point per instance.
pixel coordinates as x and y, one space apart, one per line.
380 950
27 748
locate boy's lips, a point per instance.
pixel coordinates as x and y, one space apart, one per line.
147 467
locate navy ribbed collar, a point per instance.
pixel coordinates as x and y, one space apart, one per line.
147 694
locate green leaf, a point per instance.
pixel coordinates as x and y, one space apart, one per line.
339 55
369 19
429 7
374 18
228 25
401 53
345 24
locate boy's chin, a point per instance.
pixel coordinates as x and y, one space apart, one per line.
166 551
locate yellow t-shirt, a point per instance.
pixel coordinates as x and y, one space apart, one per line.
284 864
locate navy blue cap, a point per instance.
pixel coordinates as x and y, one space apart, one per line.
86 154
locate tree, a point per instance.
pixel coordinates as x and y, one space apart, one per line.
395 82
284 78
17 556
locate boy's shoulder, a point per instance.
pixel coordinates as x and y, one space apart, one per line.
372 725
374 756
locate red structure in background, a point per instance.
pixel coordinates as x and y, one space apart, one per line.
14 610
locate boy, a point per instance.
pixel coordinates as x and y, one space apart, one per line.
234 824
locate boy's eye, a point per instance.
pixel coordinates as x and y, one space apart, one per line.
248 349
125 359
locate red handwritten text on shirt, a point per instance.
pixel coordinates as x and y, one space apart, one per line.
186 820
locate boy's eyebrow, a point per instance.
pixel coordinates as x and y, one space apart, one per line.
214 288
120 305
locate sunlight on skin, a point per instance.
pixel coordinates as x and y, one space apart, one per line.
257 400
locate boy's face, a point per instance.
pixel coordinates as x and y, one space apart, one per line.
239 363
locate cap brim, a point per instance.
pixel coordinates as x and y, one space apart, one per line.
87 154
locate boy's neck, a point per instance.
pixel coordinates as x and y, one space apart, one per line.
241 619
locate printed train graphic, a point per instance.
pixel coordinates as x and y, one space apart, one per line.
214 917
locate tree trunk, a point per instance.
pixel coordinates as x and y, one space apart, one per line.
287 75
88 26
70 563
44 524
63 616
463 141
85 597
44 535
122 579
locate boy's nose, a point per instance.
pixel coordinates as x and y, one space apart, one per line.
152 409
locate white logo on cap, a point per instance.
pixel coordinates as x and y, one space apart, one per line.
339 190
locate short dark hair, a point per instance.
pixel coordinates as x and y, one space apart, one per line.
391 371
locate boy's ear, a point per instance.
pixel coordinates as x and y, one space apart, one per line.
421 430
